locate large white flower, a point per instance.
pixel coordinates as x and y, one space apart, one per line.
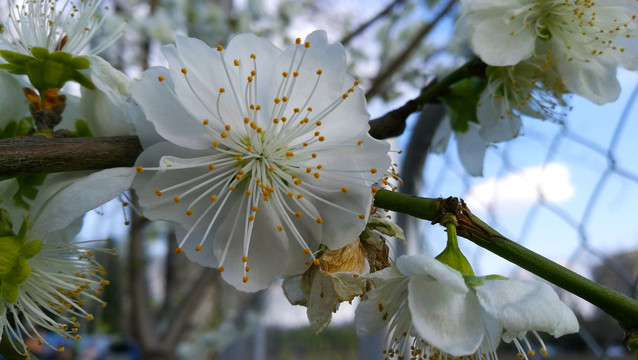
587 39
433 310
267 152
56 26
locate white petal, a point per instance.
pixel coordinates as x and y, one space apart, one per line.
321 302
293 290
167 114
390 290
430 268
594 80
65 197
471 150
12 101
521 306
445 318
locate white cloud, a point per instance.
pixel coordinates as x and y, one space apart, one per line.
523 188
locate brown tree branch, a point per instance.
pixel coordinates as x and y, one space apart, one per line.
367 24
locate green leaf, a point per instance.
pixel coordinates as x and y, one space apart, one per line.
462 101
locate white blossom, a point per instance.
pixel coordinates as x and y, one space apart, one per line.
587 40
432 310
267 157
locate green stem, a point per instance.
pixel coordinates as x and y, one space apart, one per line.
620 307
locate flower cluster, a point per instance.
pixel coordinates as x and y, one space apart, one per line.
268 153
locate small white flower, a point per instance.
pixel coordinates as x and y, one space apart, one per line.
587 39
56 26
433 310
268 155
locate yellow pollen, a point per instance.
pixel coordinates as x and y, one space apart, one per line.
271 169
244 258
251 217
319 72
373 170
224 135
351 90
306 251
315 261
248 192
299 196
232 187
158 193
344 189
319 167
284 99
227 127
222 90
289 154
306 44
290 194
255 208
219 48
319 220
176 199
283 119
317 133
213 197
236 62
279 227
295 74
160 78
245 279
139 169
247 268
189 212
220 269
318 123
211 166
360 142
205 122
293 176
252 56
309 109
316 175
215 144
246 120
248 148
321 138
277 100
198 248
298 41
238 158
374 190
362 216
237 177
298 214
284 74
308 170
344 96
250 79
179 251
184 71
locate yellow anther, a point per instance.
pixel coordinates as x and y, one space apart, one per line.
277 100
248 148
319 220
308 170
295 74
237 177
158 193
290 154
251 217
321 138
179 251
247 268
224 135
184 71
318 123
232 187
211 166
236 62
244 258
255 208
176 199
374 190
222 90
227 127
220 269
258 107
290 194
299 196
271 169
298 214
373 170
248 192
250 79
160 78
316 175
315 261
198 248
351 90
245 279
205 122
284 74
238 158
313 155
139 169
356 83
246 120
360 142
215 144
305 144
319 167
319 71
362 216
344 96
306 44
219 48
284 99
189 212
213 197
344 189
252 56
298 41
279 227
296 110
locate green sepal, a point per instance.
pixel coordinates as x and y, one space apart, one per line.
454 258
20 272
82 129
47 70
462 100
31 249
16 128
9 250
474 281
10 292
